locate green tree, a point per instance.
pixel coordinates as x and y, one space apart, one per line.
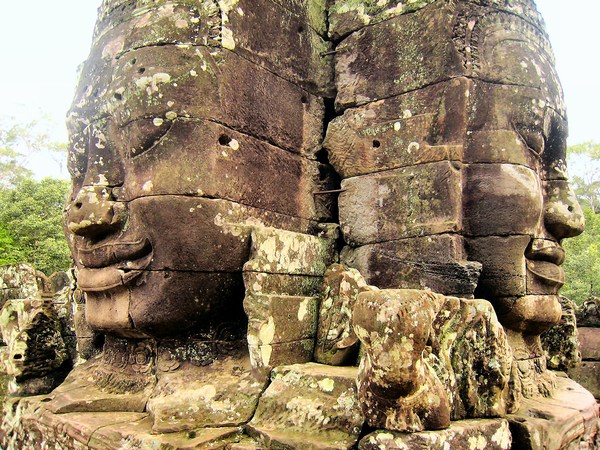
31 224
19 142
586 182
582 265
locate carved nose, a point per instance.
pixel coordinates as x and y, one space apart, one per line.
563 216
93 212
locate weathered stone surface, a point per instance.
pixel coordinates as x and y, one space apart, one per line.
187 397
397 387
474 359
37 358
489 208
337 344
18 281
588 314
464 434
435 262
504 271
282 284
562 342
412 201
265 357
347 16
588 375
589 343
429 358
279 319
422 126
420 54
309 406
569 419
283 252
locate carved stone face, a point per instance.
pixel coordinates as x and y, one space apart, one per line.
518 205
178 147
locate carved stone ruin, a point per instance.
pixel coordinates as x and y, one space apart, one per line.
316 224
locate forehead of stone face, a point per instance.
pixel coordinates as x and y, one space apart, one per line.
125 26
509 50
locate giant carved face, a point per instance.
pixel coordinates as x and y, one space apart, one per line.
178 147
453 157
518 205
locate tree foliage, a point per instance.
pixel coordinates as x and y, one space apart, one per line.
31 224
582 265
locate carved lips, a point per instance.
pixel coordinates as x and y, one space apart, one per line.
110 265
544 258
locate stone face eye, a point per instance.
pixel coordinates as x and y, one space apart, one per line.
141 135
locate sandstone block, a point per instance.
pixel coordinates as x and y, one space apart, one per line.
337 344
492 434
272 355
418 127
430 262
412 201
589 339
489 208
281 284
588 375
286 252
420 53
309 406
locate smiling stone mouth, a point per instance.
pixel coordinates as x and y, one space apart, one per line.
112 265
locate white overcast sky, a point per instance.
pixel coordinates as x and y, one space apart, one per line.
43 41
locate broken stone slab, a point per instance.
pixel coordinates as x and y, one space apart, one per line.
221 394
276 251
138 434
568 419
27 424
589 339
411 51
488 434
441 264
337 344
423 126
309 406
407 202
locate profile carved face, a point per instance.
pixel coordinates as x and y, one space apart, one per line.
518 205
177 148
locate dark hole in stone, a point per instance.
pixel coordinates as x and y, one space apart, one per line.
300 29
46 399
118 96
141 70
191 434
323 173
304 99
78 205
376 144
18 356
570 208
133 61
224 139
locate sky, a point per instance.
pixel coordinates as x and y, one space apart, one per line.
43 42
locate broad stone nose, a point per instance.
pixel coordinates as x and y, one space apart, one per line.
94 212
563 216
